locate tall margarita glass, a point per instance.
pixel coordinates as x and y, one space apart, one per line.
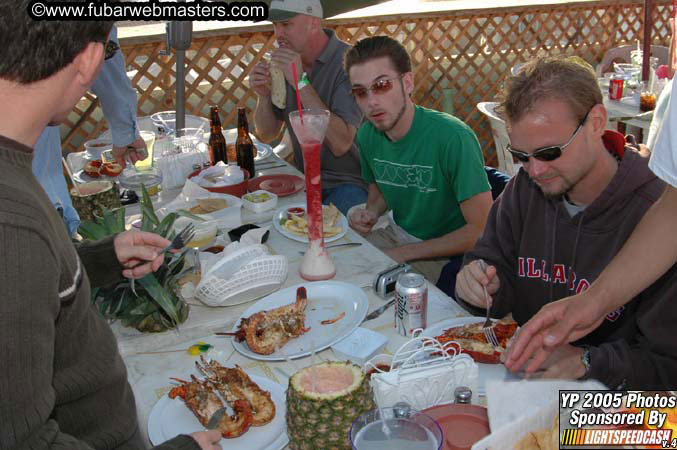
310 128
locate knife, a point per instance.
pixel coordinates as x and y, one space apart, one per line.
377 312
216 418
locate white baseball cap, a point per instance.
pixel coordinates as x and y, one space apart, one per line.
281 10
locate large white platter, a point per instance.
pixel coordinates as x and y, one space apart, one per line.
282 213
171 417
487 371
326 300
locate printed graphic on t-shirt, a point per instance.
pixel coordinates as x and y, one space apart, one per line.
404 175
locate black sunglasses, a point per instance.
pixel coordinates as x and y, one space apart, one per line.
109 49
547 153
378 87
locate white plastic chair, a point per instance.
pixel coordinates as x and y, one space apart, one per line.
622 54
501 140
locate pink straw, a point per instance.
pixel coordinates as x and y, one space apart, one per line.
298 94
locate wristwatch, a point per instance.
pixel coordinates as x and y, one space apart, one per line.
585 360
303 81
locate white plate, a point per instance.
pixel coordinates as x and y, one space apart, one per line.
326 300
487 371
262 151
171 417
630 101
282 213
82 177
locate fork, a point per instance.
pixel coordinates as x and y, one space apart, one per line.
488 327
180 240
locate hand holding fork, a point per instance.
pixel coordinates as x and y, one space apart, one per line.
488 327
132 246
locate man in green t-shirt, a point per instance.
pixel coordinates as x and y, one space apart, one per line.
424 165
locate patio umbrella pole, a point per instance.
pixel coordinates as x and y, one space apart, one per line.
180 90
180 35
646 52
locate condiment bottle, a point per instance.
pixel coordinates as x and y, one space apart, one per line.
217 142
463 395
244 145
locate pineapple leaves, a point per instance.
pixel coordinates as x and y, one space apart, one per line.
150 219
164 298
156 308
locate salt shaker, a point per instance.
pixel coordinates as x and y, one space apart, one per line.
463 395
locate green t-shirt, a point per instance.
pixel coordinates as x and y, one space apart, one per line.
425 175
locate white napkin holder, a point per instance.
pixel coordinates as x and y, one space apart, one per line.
423 373
241 276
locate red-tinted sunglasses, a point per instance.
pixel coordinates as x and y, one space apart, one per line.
378 87
550 153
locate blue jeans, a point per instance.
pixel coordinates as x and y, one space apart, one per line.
344 196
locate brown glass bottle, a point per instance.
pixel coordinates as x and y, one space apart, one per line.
244 145
217 143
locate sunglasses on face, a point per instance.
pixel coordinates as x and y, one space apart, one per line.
550 153
377 87
109 49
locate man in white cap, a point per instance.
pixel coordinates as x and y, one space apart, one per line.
322 82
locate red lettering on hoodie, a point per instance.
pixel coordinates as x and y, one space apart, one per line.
520 270
558 274
572 281
582 286
532 272
546 276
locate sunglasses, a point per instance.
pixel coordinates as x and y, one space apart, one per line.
109 49
547 153
377 87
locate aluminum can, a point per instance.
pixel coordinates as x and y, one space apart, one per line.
411 307
616 87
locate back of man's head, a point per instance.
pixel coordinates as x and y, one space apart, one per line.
33 50
568 79
375 47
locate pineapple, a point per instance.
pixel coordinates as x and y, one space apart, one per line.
322 402
156 308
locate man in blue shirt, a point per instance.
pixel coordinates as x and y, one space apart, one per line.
118 101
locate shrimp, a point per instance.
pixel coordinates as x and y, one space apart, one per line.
238 384
200 397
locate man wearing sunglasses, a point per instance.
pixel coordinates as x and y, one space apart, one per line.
423 165
578 197
317 56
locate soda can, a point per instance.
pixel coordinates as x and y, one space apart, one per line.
411 307
616 87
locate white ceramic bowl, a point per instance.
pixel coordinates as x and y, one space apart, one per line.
258 207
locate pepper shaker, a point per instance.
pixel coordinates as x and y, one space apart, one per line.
462 395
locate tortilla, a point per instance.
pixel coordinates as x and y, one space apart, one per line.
208 205
278 88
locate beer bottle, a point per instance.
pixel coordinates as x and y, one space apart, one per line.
244 145
217 143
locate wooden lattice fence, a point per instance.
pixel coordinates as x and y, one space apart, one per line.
460 57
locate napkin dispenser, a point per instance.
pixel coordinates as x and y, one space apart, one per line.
384 283
423 373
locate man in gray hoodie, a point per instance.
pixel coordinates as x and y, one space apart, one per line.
578 197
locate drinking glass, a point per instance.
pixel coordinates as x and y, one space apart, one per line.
147 163
404 428
310 128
